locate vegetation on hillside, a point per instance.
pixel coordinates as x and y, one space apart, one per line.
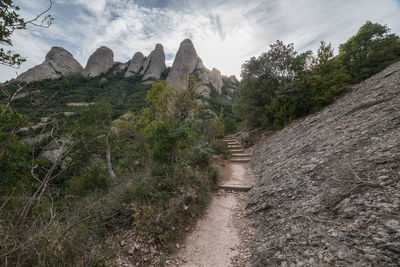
149 171
282 85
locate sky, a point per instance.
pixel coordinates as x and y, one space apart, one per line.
225 33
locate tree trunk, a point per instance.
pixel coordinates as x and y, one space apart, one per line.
108 157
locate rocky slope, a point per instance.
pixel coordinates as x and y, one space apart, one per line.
58 62
328 186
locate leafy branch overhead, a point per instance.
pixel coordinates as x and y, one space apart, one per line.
10 21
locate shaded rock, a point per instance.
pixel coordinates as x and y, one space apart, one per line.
58 62
156 63
99 62
310 171
216 80
135 64
184 64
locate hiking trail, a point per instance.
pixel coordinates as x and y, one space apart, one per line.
222 236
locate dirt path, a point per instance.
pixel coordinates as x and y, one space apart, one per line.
222 237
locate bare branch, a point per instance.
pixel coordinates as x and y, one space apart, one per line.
16 129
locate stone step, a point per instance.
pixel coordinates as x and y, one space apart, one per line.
236 151
233 144
241 155
235 187
242 160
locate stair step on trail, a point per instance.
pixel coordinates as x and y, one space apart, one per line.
240 155
240 160
236 151
234 187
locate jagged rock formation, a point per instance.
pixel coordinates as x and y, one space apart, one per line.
327 187
58 62
156 63
135 64
188 62
99 62
185 62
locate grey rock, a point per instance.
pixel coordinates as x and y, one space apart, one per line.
135 64
99 62
393 225
204 90
58 62
216 80
352 226
185 62
156 63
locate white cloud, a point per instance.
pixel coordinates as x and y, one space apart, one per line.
225 33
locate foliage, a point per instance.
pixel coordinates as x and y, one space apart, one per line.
90 180
11 21
263 78
201 155
369 51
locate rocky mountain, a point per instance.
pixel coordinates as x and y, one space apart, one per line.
327 187
99 62
185 62
58 62
135 64
188 62
155 63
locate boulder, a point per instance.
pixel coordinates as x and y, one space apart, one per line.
135 64
99 62
184 64
58 62
156 63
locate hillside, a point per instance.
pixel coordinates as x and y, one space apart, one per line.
327 187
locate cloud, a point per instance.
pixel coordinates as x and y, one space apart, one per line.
225 33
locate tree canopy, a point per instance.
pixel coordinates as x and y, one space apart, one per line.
369 51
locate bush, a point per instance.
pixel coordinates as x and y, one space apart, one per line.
220 148
92 179
201 155
230 125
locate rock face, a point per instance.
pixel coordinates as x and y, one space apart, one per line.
135 64
58 62
327 187
99 62
156 63
184 64
216 79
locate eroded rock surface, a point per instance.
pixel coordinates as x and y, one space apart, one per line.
327 187
184 64
216 80
135 64
156 64
58 62
99 62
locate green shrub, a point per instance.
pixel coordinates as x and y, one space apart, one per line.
230 125
92 179
220 148
201 155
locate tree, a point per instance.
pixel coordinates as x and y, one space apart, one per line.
371 50
11 21
263 77
92 136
